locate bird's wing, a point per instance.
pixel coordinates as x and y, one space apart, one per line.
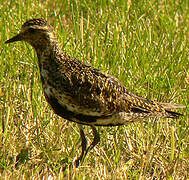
86 90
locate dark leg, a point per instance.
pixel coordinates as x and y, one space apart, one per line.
83 145
96 140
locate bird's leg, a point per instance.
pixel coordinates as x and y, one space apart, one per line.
83 145
96 140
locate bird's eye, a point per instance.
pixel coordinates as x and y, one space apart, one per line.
31 30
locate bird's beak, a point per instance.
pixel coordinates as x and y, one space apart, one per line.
15 38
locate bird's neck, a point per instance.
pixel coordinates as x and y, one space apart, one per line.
47 53
48 49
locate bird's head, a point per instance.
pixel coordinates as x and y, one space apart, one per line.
36 32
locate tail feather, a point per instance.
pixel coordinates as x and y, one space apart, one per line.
172 106
172 114
169 112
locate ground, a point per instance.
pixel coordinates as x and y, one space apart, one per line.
142 43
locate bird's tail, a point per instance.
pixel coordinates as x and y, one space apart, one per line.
169 112
172 106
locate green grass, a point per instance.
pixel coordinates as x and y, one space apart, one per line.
142 43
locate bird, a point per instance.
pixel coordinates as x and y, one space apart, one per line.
83 94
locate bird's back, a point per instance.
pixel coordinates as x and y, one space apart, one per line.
93 97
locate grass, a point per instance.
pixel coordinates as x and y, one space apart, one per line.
142 43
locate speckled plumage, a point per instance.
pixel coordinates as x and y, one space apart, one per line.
81 93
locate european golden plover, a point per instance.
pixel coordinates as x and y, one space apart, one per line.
82 94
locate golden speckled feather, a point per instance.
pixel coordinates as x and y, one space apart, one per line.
81 93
